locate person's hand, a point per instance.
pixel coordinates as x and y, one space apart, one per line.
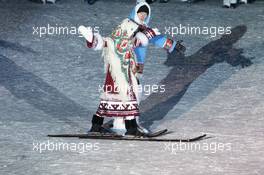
149 32
87 33
179 47
156 30
141 39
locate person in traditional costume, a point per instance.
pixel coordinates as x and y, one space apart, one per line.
124 53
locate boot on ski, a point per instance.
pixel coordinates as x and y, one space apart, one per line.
133 128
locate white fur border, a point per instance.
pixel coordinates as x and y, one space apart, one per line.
118 76
142 38
100 42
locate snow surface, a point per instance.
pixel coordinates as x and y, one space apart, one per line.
49 85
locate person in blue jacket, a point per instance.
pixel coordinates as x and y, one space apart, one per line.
154 36
158 39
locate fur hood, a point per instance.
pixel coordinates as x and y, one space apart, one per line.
133 14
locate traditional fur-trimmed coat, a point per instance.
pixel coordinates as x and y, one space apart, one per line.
120 96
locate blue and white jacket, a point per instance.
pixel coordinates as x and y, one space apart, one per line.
161 41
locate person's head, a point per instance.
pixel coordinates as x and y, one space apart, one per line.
142 13
137 16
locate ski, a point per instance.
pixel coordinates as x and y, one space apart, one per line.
111 135
149 139
86 134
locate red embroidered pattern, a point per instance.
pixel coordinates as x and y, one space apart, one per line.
118 109
168 44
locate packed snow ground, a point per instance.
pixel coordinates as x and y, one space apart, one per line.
49 84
